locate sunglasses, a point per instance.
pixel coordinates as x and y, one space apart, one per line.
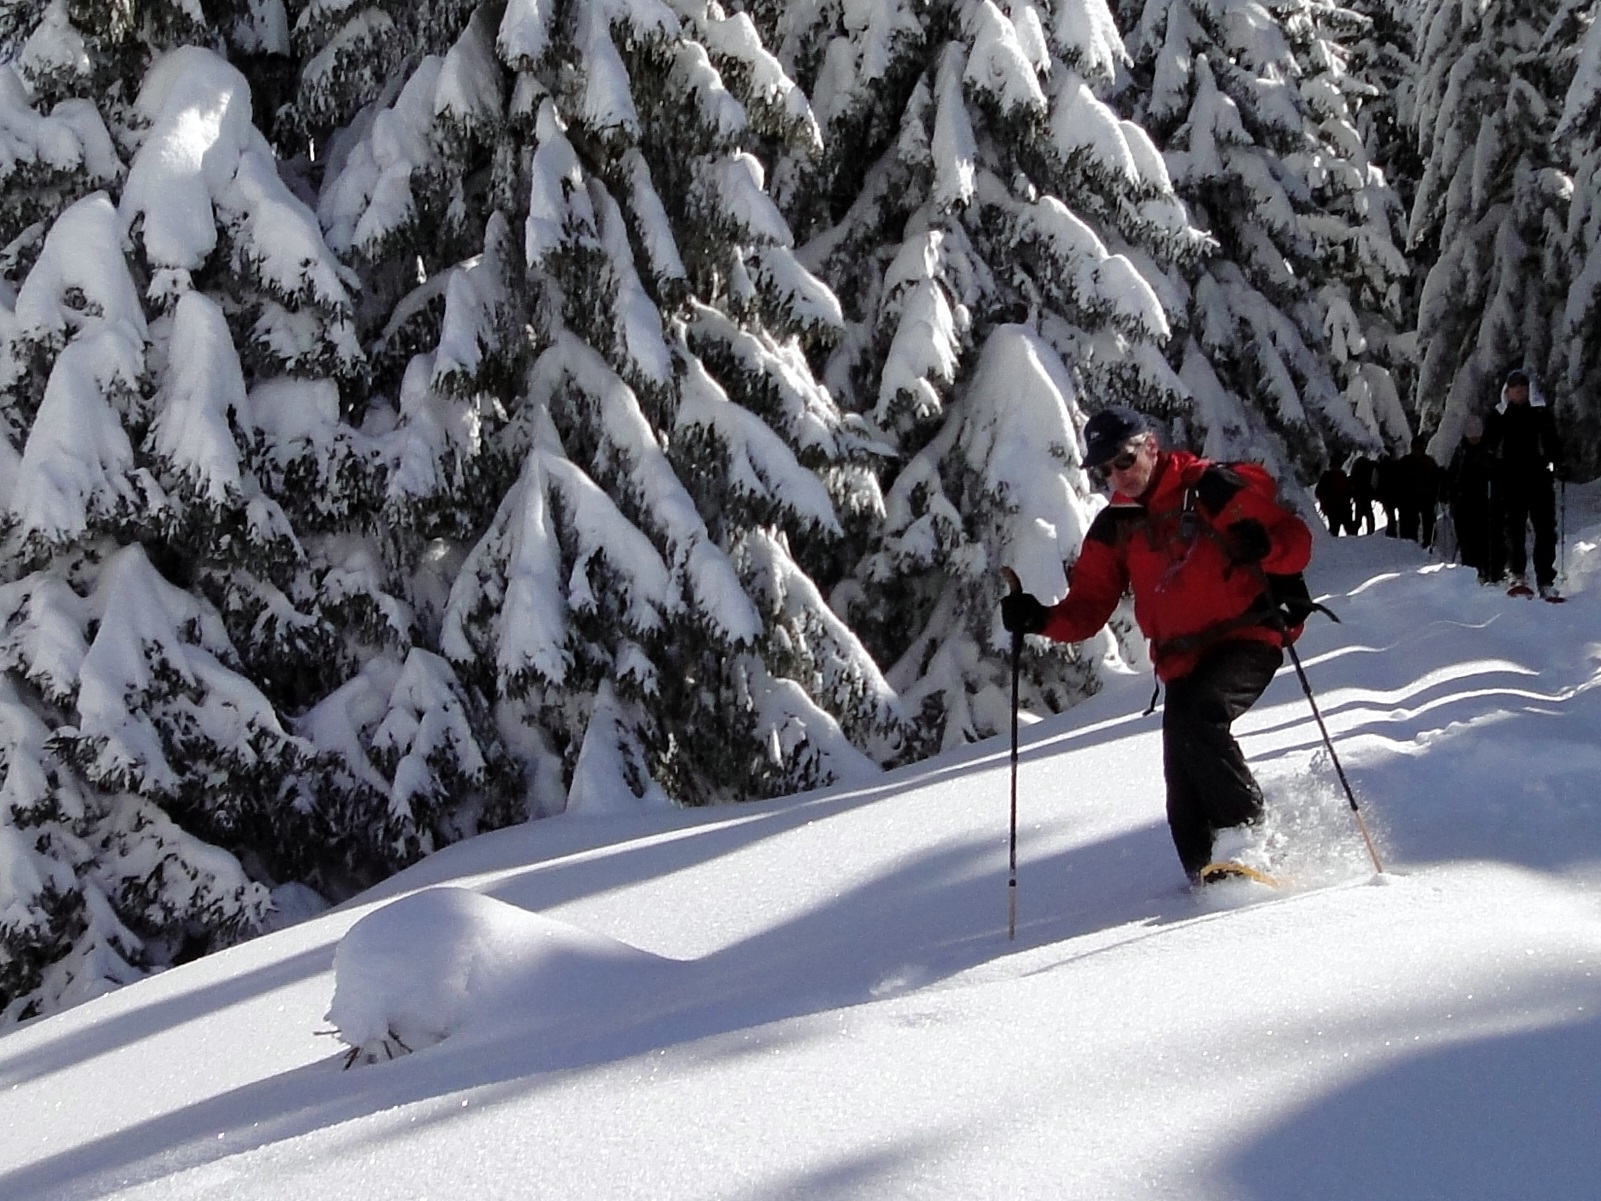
1124 459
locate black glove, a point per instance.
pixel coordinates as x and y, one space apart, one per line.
1248 541
1560 471
1022 614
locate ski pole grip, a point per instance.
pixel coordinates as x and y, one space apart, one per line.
1014 584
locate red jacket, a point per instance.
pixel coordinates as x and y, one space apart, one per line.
1188 592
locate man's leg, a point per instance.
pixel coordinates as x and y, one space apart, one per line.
1209 786
1543 516
1470 543
1494 542
1192 835
1515 514
1410 515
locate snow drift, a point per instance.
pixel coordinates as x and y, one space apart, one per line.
448 960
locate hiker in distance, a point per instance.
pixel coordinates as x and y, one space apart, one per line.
1523 440
1333 494
1195 541
1418 489
1474 496
1364 491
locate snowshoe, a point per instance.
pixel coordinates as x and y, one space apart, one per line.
1519 588
1229 870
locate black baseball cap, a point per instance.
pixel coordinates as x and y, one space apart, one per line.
1517 376
1109 431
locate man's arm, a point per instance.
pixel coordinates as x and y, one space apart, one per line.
1492 434
1553 445
1094 585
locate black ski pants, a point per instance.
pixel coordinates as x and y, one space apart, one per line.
1209 786
1526 503
1478 538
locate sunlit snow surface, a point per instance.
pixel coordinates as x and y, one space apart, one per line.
816 997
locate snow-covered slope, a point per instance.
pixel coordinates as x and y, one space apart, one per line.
816 997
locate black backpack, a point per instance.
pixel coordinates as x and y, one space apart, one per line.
1288 594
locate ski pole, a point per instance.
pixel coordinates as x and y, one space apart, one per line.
1016 586
1306 687
1562 533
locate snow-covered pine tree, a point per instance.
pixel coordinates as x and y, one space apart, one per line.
999 485
1382 59
1382 68
119 702
1295 314
101 881
1488 221
1003 242
61 940
188 521
309 594
608 445
1575 363
350 55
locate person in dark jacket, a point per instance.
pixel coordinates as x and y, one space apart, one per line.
1364 473
1471 493
1523 438
1418 493
1333 494
1193 541
1387 488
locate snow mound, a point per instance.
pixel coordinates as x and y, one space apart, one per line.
446 960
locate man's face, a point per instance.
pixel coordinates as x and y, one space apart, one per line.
1130 471
1517 392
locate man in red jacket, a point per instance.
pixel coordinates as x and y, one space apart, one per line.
1195 541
